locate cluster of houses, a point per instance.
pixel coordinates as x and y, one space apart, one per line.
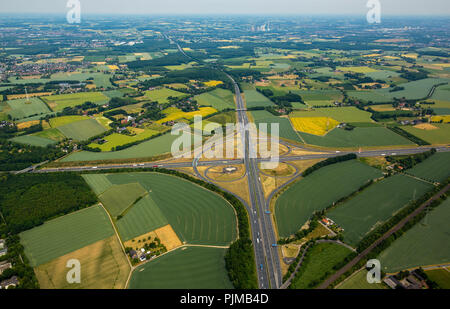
4 124
4 265
412 122
37 69
141 255
412 281
331 225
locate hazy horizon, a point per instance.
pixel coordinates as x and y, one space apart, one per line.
230 7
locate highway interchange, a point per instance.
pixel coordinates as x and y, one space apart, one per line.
262 229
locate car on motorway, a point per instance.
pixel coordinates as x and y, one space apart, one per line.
261 266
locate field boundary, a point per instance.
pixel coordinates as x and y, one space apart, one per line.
385 236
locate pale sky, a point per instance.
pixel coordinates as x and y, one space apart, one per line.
222 7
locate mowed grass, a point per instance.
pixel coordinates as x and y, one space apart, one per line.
118 198
424 244
184 268
66 234
375 205
438 136
33 140
59 102
104 266
323 257
153 147
255 99
436 168
358 281
23 108
203 218
82 130
143 217
440 276
219 98
318 191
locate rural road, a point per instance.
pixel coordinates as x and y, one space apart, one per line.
262 229
394 229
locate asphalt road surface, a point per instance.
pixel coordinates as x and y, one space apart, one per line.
262 229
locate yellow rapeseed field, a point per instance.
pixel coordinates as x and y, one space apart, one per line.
213 83
173 114
314 125
445 119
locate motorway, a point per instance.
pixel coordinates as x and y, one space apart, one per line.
262 229
263 234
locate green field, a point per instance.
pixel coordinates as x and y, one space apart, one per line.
117 139
66 234
59 102
99 183
205 218
436 168
358 137
153 147
255 99
21 108
369 96
33 140
51 134
439 136
318 191
118 198
60 121
82 130
224 118
415 90
161 95
424 244
99 79
375 205
143 217
219 98
285 127
341 114
323 257
184 268
312 96
358 281
440 276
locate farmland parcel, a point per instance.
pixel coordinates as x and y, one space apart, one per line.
375 205
318 191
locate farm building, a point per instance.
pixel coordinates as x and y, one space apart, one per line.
4 266
11 282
